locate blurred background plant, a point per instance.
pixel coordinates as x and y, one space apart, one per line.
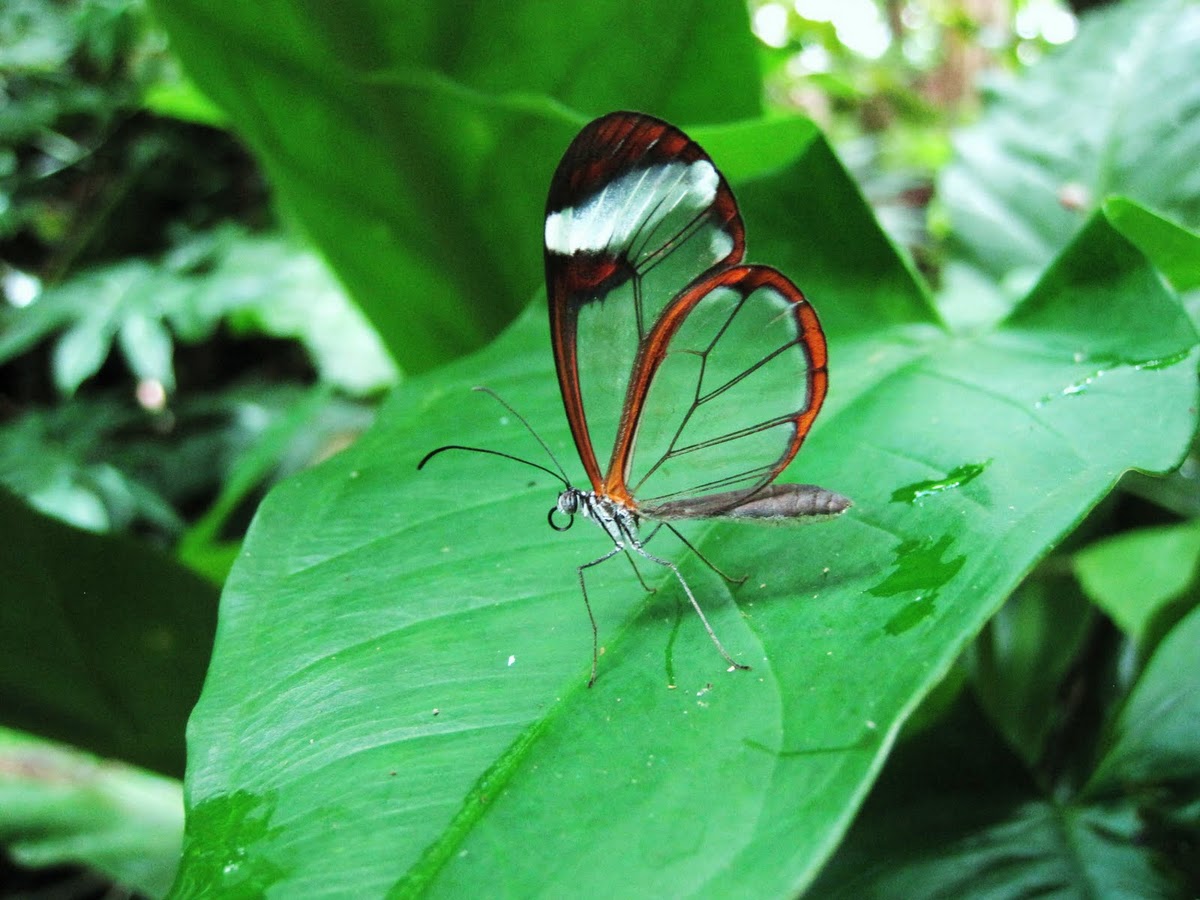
171 344
167 351
159 323
889 82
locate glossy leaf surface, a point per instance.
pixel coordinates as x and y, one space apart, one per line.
397 699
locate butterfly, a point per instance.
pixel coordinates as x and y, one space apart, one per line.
696 377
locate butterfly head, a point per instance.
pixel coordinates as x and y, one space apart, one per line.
571 501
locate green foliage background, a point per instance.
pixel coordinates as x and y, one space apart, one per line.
396 698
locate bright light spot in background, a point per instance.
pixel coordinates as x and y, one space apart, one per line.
1046 19
151 395
858 23
1028 53
21 289
914 15
813 58
817 10
921 44
770 24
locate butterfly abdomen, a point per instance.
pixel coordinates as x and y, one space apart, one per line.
775 502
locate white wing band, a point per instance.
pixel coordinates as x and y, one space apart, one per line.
637 202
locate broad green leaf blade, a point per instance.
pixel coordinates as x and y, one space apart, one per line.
415 148
1137 576
59 806
397 700
1172 248
1156 738
103 641
756 148
1112 112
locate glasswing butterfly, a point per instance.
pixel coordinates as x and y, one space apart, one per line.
698 376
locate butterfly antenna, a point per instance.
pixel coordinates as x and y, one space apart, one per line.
432 453
520 418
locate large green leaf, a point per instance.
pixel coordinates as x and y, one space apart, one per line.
414 145
397 698
1112 112
103 641
1156 740
1138 576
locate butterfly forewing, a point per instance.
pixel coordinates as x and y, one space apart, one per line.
636 212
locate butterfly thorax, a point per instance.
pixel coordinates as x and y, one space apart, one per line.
619 522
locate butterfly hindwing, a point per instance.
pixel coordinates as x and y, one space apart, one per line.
732 377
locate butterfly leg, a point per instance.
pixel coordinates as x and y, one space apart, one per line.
617 548
704 559
632 562
657 528
638 573
695 605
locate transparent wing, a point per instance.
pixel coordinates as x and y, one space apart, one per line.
726 388
636 213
